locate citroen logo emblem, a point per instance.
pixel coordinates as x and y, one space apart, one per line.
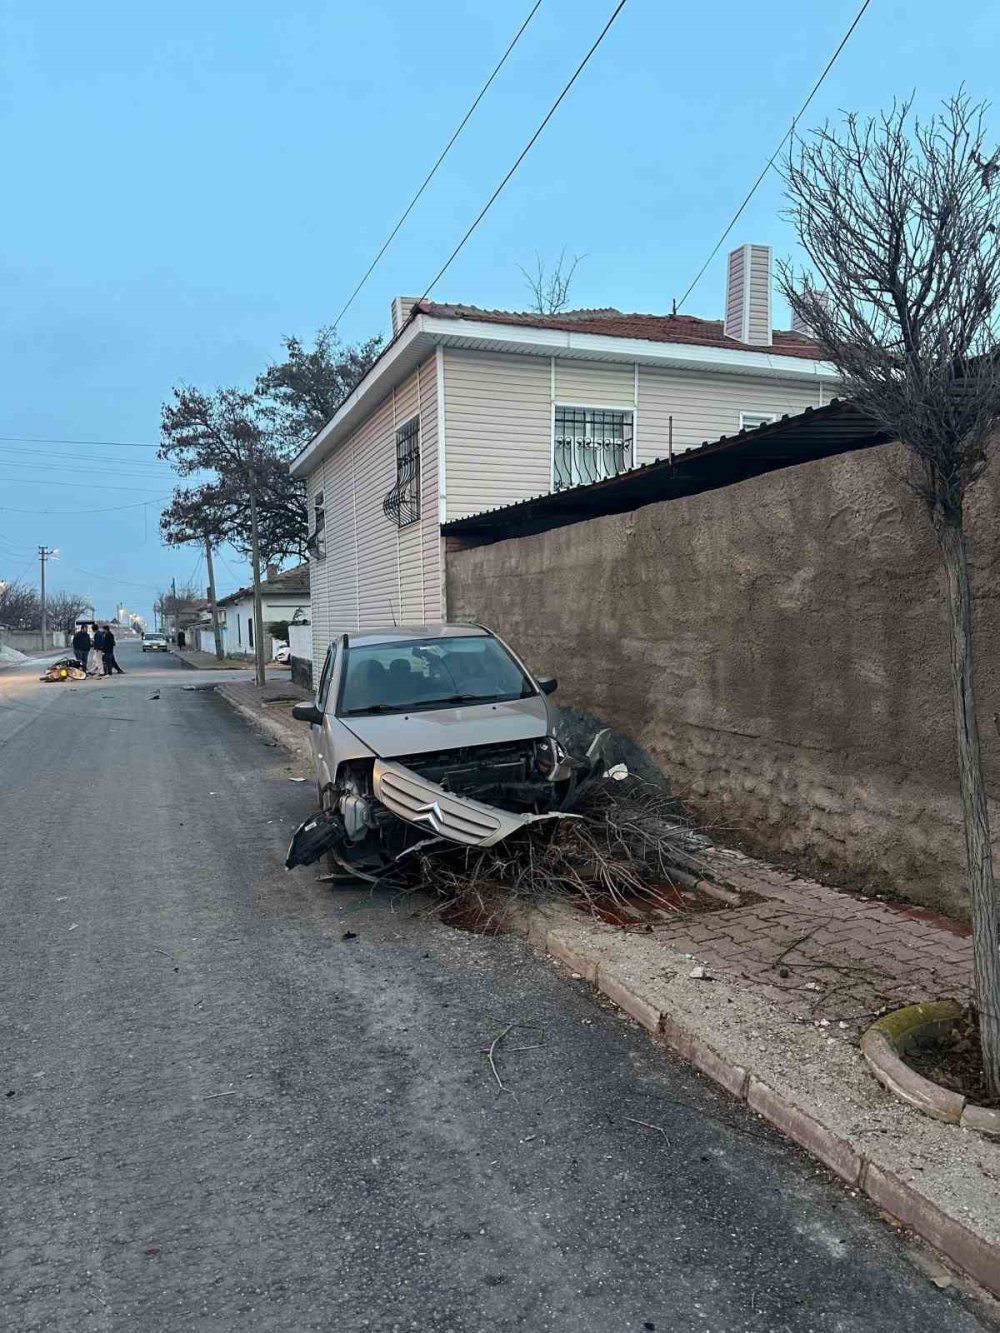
429 814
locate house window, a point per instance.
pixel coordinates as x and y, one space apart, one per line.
250 630
751 420
316 545
590 443
402 505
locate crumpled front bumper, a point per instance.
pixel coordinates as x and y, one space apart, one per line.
413 798
425 804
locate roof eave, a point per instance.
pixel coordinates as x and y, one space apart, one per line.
425 332
398 358
532 340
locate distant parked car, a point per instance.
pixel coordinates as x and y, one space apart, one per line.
155 643
282 652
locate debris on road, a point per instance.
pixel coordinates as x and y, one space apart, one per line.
66 668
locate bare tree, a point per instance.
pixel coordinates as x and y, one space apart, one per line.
550 290
20 607
899 220
64 608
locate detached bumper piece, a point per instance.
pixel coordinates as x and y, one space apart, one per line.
424 804
319 834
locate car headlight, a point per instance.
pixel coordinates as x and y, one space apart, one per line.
548 755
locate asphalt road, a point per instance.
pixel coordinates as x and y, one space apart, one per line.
222 1113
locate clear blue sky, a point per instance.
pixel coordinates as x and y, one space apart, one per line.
187 182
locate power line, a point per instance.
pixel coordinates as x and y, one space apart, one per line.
79 462
771 160
524 152
194 573
31 560
11 551
47 439
74 485
109 578
430 175
111 509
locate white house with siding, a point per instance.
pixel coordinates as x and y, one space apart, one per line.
468 410
284 596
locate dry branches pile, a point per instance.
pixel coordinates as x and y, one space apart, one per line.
625 845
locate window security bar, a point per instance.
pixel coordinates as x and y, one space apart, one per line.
590 445
402 504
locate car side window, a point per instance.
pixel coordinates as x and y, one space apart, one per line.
325 678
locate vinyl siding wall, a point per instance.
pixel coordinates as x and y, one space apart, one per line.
499 412
759 330
498 429
374 573
707 406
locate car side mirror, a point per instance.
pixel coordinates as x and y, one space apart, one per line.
547 684
308 712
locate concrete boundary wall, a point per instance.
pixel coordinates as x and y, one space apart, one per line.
30 640
780 649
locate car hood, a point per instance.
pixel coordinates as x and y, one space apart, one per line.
424 731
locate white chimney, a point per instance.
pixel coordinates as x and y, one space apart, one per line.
800 325
748 295
401 307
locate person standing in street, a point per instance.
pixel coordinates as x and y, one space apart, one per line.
108 652
82 644
97 661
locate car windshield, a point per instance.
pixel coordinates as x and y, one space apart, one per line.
430 673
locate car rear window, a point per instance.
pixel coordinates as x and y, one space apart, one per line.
430 673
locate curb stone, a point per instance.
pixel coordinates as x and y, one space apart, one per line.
805 1130
881 1047
970 1252
621 993
974 1254
299 749
734 1078
893 1073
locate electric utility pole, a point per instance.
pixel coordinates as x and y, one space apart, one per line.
44 553
260 675
216 627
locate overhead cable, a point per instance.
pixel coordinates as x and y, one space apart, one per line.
524 152
771 160
433 171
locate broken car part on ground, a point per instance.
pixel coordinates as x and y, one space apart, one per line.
426 734
67 668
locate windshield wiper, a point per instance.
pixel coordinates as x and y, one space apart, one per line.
448 701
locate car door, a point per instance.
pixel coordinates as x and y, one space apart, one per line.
319 731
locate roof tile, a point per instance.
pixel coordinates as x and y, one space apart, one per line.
617 324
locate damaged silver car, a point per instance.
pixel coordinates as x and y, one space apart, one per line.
431 733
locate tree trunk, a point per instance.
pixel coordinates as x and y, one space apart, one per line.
260 673
214 605
975 812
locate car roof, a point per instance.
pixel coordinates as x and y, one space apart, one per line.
401 633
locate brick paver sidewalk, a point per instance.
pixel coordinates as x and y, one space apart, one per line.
820 952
